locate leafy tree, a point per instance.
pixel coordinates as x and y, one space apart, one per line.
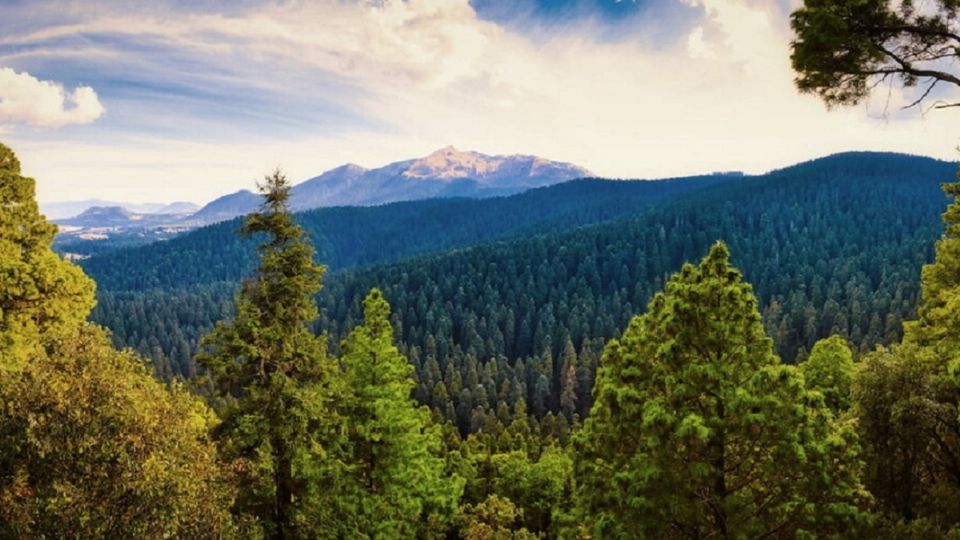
493 519
540 488
92 446
906 438
269 358
397 486
39 292
697 430
829 369
845 48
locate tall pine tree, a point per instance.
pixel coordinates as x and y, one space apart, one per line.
397 487
698 431
278 370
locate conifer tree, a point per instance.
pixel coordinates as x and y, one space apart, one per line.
938 315
278 370
698 431
568 381
829 369
397 486
39 292
91 445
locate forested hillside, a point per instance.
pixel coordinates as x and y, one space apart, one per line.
352 236
831 246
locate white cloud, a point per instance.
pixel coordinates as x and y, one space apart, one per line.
432 73
24 99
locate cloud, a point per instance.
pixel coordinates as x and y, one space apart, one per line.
310 85
24 99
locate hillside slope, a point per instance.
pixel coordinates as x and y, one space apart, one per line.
831 246
352 236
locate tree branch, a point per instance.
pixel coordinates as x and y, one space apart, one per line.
908 68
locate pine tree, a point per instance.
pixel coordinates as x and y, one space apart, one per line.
278 370
39 292
938 315
397 486
829 369
697 429
568 381
91 445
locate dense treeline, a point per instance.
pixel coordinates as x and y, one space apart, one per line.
698 428
357 236
832 247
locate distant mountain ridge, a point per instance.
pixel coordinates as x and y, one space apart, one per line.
448 172
62 210
850 230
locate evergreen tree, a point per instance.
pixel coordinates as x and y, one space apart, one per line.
568 381
905 437
397 486
921 482
39 292
698 430
829 369
91 445
278 370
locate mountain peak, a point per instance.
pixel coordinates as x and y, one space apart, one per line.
448 162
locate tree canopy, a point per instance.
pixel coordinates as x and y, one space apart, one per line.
274 374
844 48
91 444
698 430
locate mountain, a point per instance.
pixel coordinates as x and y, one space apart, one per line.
448 172
179 207
356 236
100 229
445 173
832 246
68 209
228 206
116 218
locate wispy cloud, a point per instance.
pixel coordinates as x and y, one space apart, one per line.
24 99
202 100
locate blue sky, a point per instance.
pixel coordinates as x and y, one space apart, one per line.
175 100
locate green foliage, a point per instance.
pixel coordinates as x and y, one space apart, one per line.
92 446
39 292
395 485
493 519
832 246
907 398
361 236
278 370
908 436
697 430
845 48
938 315
829 369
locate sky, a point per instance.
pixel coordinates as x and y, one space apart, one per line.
187 100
